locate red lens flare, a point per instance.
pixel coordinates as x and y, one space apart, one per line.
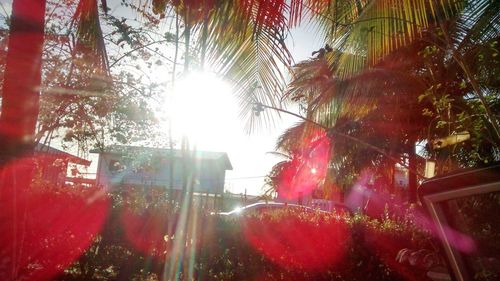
148 231
43 229
305 172
296 243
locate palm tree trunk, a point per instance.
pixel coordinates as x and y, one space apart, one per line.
22 78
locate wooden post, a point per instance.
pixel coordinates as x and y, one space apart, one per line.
221 204
245 197
215 202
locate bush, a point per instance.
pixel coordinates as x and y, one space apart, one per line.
278 245
313 246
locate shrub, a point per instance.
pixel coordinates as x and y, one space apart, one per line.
276 245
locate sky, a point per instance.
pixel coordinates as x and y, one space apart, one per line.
213 123
220 129
253 160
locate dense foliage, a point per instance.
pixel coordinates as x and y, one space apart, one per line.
428 92
279 245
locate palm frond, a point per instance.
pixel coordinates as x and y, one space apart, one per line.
370 30
90 41
309 79
299 138
251 53
479 23
330 99
288 141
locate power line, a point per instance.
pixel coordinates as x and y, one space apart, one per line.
243 178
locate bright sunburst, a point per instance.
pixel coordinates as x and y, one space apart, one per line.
203 109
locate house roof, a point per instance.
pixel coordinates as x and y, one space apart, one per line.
42 148
177 153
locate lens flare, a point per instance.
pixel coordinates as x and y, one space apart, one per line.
148 231
43 229
307 169
296 243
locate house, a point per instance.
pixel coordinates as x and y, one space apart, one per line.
164 168
54 164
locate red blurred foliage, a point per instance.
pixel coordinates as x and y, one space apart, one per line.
270 14
148 230
295 243
379 201
44 229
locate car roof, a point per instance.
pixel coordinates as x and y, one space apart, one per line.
459 179
277 205
258 205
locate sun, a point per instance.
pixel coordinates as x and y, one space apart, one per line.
203 109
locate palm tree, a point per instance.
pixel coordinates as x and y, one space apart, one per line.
378 109
362 33
468 37
377 35
368 31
